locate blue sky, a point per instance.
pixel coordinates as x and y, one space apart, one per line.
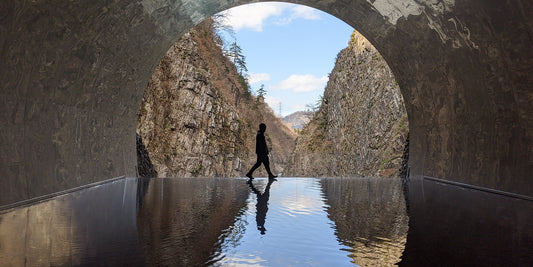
290 49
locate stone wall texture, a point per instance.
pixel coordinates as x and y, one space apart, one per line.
361 126
73 74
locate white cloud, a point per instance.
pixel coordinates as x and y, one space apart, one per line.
302 83
305 12
299 12
258 77
253 16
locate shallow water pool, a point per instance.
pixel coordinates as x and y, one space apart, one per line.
287 222
228 222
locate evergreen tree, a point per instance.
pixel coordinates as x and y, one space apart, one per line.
244 83
239 60
261 92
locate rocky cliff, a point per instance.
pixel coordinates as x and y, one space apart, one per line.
198 117
361 126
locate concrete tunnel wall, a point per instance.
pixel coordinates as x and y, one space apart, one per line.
72 75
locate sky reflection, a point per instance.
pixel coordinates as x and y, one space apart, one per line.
299 230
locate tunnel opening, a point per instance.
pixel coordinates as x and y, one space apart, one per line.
356 59
184 119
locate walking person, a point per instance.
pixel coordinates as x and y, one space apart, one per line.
261 150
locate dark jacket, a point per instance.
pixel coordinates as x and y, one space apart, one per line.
260 144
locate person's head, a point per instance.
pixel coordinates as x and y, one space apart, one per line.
262 127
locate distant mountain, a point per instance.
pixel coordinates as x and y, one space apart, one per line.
298 119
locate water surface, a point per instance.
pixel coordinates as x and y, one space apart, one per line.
321 222
219 222
289 222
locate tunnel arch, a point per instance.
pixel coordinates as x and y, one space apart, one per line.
73 74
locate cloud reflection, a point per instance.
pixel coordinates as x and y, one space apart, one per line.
298 204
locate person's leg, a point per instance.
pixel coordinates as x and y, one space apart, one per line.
256 165
266 162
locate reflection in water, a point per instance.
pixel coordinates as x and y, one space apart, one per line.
370 218
368 214
86 227
451 226
183 222
262 204
198 222
320 222
299 232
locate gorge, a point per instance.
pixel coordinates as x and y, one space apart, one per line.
198 119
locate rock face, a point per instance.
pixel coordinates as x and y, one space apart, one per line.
198 118
361 126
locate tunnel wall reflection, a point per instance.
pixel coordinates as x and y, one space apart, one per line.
85 227
450 225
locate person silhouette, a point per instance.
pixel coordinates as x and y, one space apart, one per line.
261 150
261 207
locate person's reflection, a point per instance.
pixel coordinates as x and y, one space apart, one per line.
262 204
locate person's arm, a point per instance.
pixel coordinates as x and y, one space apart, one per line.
268 143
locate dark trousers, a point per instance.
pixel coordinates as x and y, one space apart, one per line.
261 159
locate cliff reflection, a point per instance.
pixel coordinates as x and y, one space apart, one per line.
184 222
370 217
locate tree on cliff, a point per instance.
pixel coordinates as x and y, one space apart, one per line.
261 92
221 30
239 60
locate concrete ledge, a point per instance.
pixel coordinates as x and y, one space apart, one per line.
32 201
484 189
